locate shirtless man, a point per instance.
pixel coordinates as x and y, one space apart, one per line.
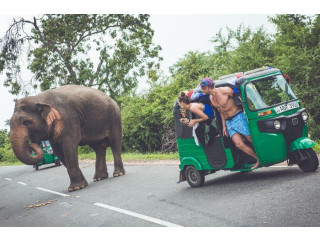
233 119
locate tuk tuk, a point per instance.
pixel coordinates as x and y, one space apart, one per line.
277 124
48 156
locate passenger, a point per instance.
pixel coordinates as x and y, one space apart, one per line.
233 119
201 110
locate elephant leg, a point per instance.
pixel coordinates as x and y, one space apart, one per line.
101 165
58 152
116 151
77 180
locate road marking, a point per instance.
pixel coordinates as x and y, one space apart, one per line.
22 183
46 190
137 215
9 179
283 166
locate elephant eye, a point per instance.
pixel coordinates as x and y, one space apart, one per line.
26 122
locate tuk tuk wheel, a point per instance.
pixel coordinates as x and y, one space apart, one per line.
57 162
194 177
36 166
311 162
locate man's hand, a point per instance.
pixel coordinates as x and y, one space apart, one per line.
184 121
225 131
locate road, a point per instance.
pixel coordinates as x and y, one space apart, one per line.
149 196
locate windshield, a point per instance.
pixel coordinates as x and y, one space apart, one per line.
268 92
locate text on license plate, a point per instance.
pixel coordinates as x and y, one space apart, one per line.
286 107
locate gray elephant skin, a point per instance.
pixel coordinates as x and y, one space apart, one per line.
68 116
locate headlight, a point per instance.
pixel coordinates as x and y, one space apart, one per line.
277 124
305 116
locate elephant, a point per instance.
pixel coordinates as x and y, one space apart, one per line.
68 116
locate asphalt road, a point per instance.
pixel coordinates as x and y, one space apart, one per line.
149 196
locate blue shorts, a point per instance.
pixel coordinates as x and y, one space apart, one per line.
238 124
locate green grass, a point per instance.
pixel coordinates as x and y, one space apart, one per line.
11 163
126 156
133 156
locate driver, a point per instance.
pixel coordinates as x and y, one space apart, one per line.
233 119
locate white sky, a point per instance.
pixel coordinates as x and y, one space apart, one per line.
176 33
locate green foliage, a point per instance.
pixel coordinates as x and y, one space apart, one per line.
62 49
316 148
84 149
6 152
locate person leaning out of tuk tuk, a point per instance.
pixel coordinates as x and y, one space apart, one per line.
201 110
233 119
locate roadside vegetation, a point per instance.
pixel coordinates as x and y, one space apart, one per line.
148 124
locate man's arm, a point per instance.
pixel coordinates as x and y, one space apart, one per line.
224 126
227 91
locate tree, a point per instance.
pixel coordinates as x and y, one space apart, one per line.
108 52
297 53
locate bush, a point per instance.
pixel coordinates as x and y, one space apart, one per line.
84 149
6 152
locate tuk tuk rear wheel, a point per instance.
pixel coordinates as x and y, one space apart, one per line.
194 177
311 163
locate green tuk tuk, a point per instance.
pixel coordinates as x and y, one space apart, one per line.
277 124
48 157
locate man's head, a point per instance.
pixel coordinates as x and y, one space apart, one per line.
206 85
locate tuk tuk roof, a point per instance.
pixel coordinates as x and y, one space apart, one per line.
232 80
255 74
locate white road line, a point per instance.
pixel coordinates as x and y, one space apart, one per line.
22 183
137 215
46 190
284 166
9 179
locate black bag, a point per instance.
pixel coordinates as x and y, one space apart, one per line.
206 132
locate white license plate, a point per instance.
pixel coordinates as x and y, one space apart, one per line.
286 107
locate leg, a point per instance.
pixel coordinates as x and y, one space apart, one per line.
248 137
70 153
101 165
236 138
116 151
58 152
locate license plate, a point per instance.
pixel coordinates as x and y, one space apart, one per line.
286 107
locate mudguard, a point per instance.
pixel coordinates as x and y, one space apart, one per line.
190 161
301 143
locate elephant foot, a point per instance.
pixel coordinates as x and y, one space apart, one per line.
77 186
100 176
118 173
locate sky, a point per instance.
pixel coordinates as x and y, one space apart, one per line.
180 27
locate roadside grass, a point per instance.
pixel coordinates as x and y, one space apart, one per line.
11 163
133 156
126 156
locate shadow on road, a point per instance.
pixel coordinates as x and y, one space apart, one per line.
275 175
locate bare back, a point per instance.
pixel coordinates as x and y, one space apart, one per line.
223 101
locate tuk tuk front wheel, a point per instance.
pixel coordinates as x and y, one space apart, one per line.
310 162
194 177
36 166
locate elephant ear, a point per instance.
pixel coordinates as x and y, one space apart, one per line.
48 113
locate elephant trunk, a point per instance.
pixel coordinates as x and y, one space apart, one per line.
23 148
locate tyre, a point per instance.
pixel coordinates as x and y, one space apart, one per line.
36 166
310 163
57 162
194 177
